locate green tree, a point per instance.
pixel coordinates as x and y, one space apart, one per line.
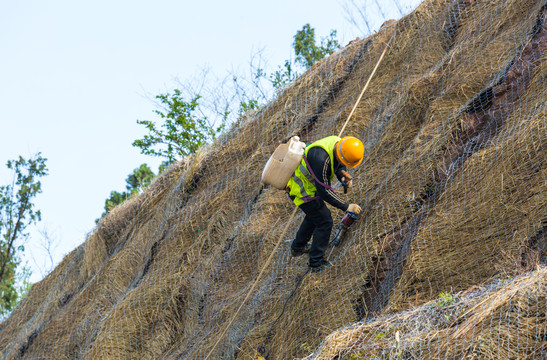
16 214
115 199
181 132
183 126
139 179
135 182
307 51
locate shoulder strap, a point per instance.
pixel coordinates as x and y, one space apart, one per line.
328 187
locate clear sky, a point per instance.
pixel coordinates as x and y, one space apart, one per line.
76 75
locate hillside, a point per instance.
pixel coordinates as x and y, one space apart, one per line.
454 194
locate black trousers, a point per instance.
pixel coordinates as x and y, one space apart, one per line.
318 222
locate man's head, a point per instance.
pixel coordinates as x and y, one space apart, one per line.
349 151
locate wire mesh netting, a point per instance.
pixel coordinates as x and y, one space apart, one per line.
447 259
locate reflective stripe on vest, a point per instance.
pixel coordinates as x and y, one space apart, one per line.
302 184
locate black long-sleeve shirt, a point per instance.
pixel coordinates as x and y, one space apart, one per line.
319 161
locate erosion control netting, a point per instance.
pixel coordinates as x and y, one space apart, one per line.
446 260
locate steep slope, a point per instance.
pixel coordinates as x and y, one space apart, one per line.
453 186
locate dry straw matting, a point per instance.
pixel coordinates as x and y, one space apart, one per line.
446 261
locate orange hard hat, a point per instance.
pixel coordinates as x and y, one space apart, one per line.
350 151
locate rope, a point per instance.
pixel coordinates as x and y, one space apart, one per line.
364 88
268 261
254 284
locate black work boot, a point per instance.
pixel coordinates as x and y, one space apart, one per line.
322 266
297 251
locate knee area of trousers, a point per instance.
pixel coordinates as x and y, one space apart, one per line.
328 224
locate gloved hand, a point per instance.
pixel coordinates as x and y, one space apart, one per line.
354 208
346 178
346 181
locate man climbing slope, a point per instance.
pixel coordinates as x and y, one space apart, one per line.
310 187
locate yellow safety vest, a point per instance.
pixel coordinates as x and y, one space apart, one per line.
302 184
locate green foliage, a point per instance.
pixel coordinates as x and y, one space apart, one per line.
8 290
115 199
445 299
283 76
181 131
379 336
140 178
14 288
184 125
355 354
163 166
24 286
245 106
305 347
307 51
16 214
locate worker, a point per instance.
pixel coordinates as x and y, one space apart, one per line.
310 187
